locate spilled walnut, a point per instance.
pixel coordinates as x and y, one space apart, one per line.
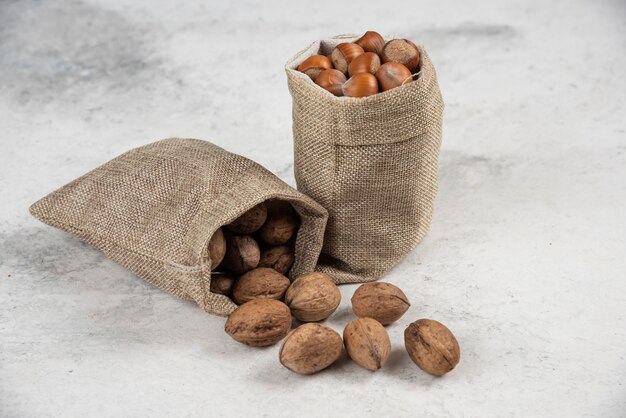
432 346
259 323
310 348
313 297
382 301
262 282
367 343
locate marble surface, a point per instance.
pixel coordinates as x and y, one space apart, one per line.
525 260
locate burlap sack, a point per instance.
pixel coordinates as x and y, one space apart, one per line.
154 209
371 162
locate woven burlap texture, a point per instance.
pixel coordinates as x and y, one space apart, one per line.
371 162
154 209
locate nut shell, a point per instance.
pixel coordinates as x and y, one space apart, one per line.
262 282
314 65
331 80
392 74
360 85
279 258
250 221
403 51
281 224
310 348
242 253
371 42
314 72
382 301
432 346
313 297
222 283
368 62
217 248
343 54
367 343
259 323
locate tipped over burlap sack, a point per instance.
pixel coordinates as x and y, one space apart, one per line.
154 209
371 162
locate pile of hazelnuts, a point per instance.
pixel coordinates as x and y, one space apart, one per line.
364 67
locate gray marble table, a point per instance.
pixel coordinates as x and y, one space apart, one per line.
525 260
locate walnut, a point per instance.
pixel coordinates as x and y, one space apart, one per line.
259 323
281 224
367 343
310 348
222 283
313 297
250 221
242 253
217 248
432 346
382 301
261 282
279 258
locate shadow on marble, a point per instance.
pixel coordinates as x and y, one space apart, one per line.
60 283
343 314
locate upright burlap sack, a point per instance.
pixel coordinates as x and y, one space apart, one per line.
154 209
371 162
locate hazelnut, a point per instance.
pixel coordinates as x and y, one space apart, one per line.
331 80
367 343
382 301
250 221
217 248
343 54
371 42
360 85
279 258
393 74
313 297
366 63
222 283
242 253
432 346
281 224
314 65
259 283
259 323
403 51
310 348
